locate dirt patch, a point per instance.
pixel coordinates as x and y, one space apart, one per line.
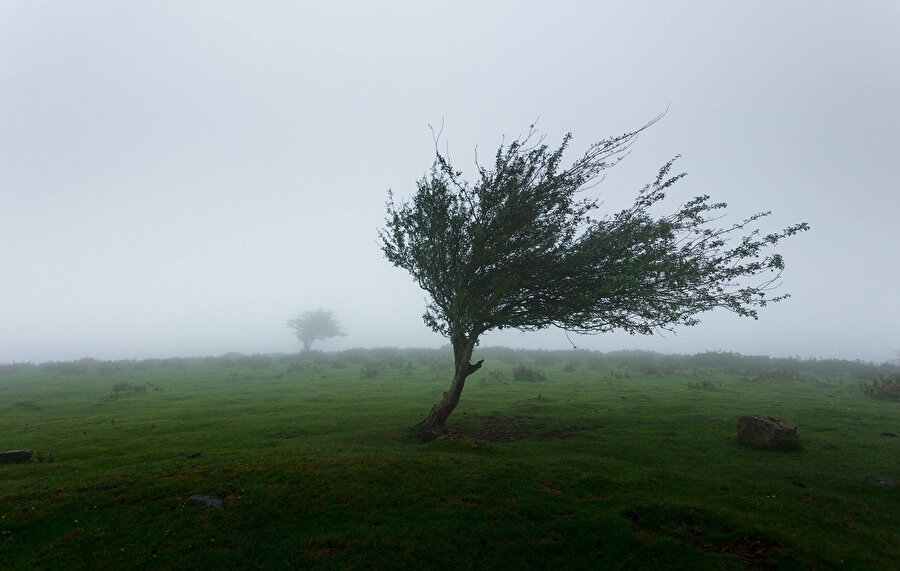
567 432
499 429
453 501
707 531
327 546
494 428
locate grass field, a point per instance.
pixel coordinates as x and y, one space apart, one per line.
578 460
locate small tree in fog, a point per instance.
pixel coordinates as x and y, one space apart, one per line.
521 248
311 326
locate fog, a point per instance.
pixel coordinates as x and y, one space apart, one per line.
180 179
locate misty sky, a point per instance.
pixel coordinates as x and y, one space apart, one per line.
181 178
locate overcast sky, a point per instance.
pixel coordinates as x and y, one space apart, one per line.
180 178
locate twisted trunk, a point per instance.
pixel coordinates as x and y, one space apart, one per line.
437 418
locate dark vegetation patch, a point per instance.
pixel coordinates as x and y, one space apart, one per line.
886 387
454 500
495 428
26 405
776 376
524 373
42 457
704 385
567 432
498 429
125 387
708 531
369 371
306 367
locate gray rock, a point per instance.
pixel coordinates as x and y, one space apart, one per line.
767 431
15 456
879 481
209 501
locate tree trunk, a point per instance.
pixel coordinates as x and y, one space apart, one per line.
437 418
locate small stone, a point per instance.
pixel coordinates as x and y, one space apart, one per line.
209 501
15 456
879 481
766 431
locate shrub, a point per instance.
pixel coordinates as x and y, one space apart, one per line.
654 369
369 371
41 457
12 368
528 374
886 387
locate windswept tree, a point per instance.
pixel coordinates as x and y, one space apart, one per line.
311 326
521 248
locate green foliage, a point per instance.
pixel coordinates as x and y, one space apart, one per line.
311 326
520 249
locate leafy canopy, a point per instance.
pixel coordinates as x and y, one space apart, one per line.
312 326
522 248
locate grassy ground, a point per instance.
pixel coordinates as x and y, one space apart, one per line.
602 464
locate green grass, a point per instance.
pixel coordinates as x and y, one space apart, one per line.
610 464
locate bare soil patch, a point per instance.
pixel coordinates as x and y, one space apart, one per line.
708 532
493 428
498 429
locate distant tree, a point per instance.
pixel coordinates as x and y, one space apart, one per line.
520 249
311 326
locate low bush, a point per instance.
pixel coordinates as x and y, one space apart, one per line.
528 374
886 387
369 371
16 368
